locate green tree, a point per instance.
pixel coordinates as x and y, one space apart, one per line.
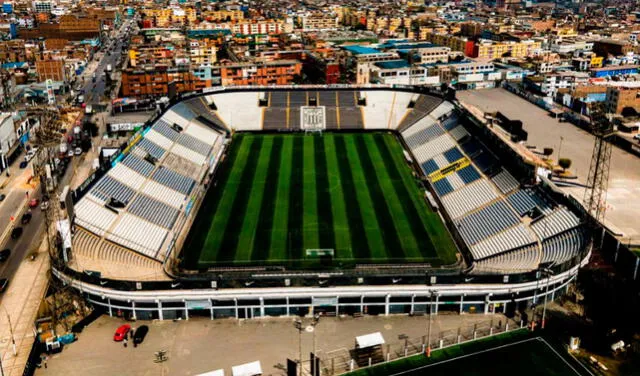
565 163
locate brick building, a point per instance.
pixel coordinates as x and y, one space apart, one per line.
619 98
280 72
51 69
70 27
160 81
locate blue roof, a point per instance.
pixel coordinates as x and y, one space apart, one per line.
393 64
14 65
361 50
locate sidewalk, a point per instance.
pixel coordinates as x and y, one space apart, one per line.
20 305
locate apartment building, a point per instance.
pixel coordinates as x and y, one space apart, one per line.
13 51
570 45
251 27
158 81
223 15
490 50
319 22
401 72
456 43
279 72
203 51
619 98
51 70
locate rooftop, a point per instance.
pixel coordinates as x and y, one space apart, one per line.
392 64
361 50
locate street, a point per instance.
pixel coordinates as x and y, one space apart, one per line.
95 90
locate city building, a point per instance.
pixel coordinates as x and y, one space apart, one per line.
160 81
619 98
51 70
279 72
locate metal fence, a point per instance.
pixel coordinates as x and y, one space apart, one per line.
345 360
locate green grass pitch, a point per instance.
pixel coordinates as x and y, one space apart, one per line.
495 356
277 195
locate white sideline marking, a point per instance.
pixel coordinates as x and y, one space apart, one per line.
564 360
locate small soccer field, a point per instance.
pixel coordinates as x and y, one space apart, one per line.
331 199
527 357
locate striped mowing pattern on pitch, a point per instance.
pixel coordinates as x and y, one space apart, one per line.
277 195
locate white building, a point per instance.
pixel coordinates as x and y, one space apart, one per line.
8 138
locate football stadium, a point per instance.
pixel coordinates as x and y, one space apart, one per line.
257 201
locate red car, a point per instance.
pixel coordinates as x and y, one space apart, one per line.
121 332
34 203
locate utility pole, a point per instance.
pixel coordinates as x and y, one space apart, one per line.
549 273
298 325
13 338
429 328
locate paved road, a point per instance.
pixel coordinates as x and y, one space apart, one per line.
30 239
545 131
95 90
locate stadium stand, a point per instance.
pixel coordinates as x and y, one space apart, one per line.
501 242
164 194
138 165
468 174
443 109
274 118
94 217
154 150
138 234
154 211
486 222
451 122
109 187
206 115
174 180
384 109
468 198
459 133
240 110
558 221
422 107
505 182
563 247
520 260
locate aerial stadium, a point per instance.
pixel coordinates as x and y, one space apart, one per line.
268 201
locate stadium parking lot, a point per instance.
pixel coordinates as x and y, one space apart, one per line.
545 131
201 345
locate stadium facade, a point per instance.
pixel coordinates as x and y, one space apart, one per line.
517 238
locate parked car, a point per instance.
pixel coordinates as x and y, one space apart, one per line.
30 154
44 205
121 332
34 203
24 164
4 254
4 282
26 218
16 233
2 196
139 335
